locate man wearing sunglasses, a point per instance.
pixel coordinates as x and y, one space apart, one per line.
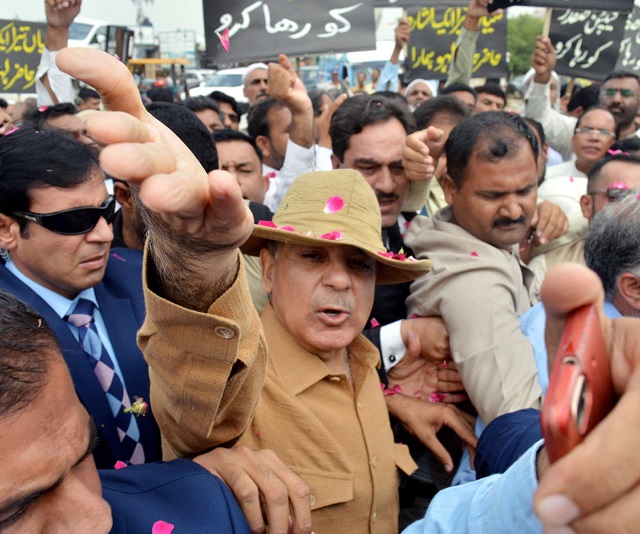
619 93
610 179
55 230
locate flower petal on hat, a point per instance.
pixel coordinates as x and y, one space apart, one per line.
474 254
162 527
386 254
268 224
399 257
333 205
288 228
332 236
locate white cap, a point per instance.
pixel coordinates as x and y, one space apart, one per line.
251 68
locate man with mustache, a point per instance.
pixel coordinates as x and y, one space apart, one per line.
478 284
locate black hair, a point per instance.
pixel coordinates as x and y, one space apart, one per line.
585 97
201 103
192 132
223 97
355 113
27 348
38 117
258 120
455 87
160 94
491 89
221 136
33 159
447 105
3 103
537 126
492 136
86 93
627 144
618 74
316 100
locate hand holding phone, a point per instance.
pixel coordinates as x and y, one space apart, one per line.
580 391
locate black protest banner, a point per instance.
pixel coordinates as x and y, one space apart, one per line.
21 45
434 31
261 30
611 5
629 55
587 42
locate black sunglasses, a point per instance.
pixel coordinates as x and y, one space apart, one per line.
74 221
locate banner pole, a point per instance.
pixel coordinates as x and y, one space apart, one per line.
547 22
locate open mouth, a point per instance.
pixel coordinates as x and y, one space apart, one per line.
334 316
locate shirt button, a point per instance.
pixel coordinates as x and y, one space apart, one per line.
224 332
392 358
374 461
312 500
334 378
374 517
359 405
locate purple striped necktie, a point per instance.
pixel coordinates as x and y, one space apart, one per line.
82 318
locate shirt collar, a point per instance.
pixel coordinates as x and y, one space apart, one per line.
298 369
59 304
610 310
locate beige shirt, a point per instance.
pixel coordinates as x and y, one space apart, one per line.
572 252
480 291
336 435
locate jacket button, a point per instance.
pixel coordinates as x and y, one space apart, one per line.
312 500
224 332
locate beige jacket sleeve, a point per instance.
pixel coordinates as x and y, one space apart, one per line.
206 369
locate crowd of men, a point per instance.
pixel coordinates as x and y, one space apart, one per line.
336 313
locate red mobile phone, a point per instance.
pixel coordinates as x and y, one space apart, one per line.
580 391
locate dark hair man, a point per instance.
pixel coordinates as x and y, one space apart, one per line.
62 117
89 99
463 92
207 110
55 226
229 107
489 97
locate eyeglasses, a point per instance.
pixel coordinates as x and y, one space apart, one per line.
598 131
613 193
626 93
74 221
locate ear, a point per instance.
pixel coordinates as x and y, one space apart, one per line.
245 92
629 289
265 183
449 188
586 204
264 145
545 153
441 167
267 262
9 232
123 196
335 162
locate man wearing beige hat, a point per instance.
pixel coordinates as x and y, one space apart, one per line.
321 409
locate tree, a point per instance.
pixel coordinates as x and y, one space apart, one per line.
521 39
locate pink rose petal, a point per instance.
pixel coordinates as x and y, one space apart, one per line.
638 197
11 130
571 179
272 174
474 254
619 185
374 323
268 224
42 109
437 397
399 257
333 205
162 527
332 236
386 254
120 465
288 228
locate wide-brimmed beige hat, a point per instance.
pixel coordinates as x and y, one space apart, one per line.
335 207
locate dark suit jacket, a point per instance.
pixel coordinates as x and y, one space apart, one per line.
122 306
179 492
